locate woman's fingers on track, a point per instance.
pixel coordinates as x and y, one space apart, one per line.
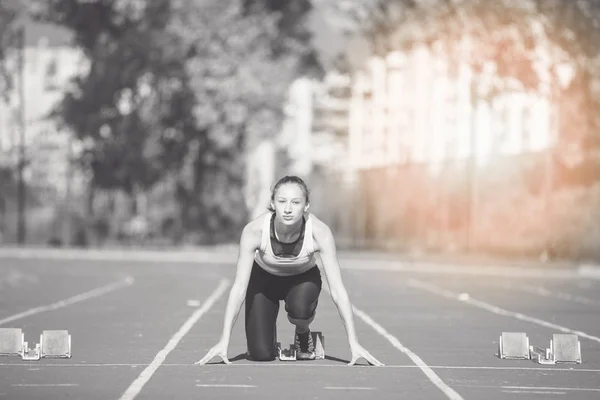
212 355
368 357
209 356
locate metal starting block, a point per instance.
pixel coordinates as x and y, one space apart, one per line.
539 355
514 345
286 354
290 353
31 354
564 348
11 342
319 342
53 344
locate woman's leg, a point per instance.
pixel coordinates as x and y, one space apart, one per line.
302 299
262 308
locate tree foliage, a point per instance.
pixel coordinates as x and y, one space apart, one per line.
178 90
243 55
129 107
8 42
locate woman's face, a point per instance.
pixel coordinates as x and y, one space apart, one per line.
289 203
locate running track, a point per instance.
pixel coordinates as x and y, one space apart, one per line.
140 320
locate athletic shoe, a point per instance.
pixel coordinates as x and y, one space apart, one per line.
305 348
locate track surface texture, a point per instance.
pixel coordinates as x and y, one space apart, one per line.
139 320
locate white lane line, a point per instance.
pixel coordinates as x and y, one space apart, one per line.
348 388
224 385
298 365
494 309
437 381
44 384
532 392
137 385
209 256
531 389
457 269
71 300
542 291
550 388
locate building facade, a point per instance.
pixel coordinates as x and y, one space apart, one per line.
426 139
408 107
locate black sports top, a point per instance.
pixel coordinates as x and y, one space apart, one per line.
283 249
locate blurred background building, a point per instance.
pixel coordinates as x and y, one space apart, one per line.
422 134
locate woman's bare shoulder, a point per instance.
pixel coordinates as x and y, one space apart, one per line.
253 230
321 233
319 227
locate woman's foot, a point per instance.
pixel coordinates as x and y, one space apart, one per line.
305 348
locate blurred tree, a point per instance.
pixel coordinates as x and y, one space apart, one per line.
8 36
132 108
8 16
243 56
177 90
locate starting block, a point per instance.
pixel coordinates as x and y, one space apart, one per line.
290 353
53 344
31 354
514 345
539 355
564 348
11 342
286 354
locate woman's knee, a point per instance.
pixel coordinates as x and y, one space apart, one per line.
301 310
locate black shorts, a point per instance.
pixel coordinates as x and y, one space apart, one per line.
265 291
